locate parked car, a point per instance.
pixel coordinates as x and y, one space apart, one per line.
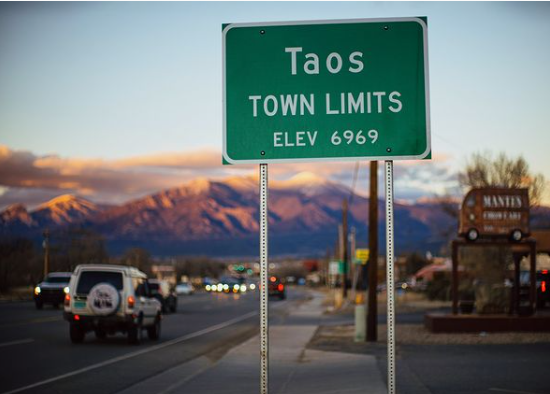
162 291
276 288
111 298
543 288
52 289
185 288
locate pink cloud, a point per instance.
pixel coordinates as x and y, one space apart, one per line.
116 181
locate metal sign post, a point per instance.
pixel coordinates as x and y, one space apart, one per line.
264 342
390 283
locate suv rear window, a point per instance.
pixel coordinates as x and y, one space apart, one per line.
89 279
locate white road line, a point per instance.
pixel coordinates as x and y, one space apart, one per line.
136 353
18 342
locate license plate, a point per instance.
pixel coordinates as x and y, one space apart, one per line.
79 304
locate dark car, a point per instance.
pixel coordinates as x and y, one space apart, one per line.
276 288
162 291
543 288
52 289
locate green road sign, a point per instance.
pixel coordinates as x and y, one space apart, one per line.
336 267
326 90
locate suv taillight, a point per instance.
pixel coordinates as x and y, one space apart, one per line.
280 287
67 300
131 301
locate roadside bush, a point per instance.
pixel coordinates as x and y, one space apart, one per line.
17 261
439 289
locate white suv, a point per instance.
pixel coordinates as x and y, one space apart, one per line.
110 298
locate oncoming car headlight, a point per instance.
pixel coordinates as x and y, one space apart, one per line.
66 290
37 290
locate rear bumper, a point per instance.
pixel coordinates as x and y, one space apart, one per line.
107 323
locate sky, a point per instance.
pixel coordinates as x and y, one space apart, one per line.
112 101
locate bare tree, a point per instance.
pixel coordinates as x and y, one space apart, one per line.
139 258
484 170
75 245
489 266
18 267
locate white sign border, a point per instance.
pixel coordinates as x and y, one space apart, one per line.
329 22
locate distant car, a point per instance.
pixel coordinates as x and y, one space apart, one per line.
162 291
276 288
231 284
184 288
109 298
52 289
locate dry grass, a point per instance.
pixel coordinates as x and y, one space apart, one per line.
17 294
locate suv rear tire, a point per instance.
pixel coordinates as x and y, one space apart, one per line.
135 333
76 333
154 331
173 305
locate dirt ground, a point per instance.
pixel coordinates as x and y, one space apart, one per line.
415 334
409 302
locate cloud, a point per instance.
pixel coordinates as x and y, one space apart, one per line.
35 178
103 180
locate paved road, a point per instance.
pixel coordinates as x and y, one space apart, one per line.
38 357
476 369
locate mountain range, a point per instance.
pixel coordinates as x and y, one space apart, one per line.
220 218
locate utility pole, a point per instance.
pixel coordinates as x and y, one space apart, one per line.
46 245
345 248
372 312
351 254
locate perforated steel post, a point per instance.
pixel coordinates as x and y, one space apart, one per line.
264 329
390 283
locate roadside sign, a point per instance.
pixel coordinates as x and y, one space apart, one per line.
326 90
336 268
362 255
